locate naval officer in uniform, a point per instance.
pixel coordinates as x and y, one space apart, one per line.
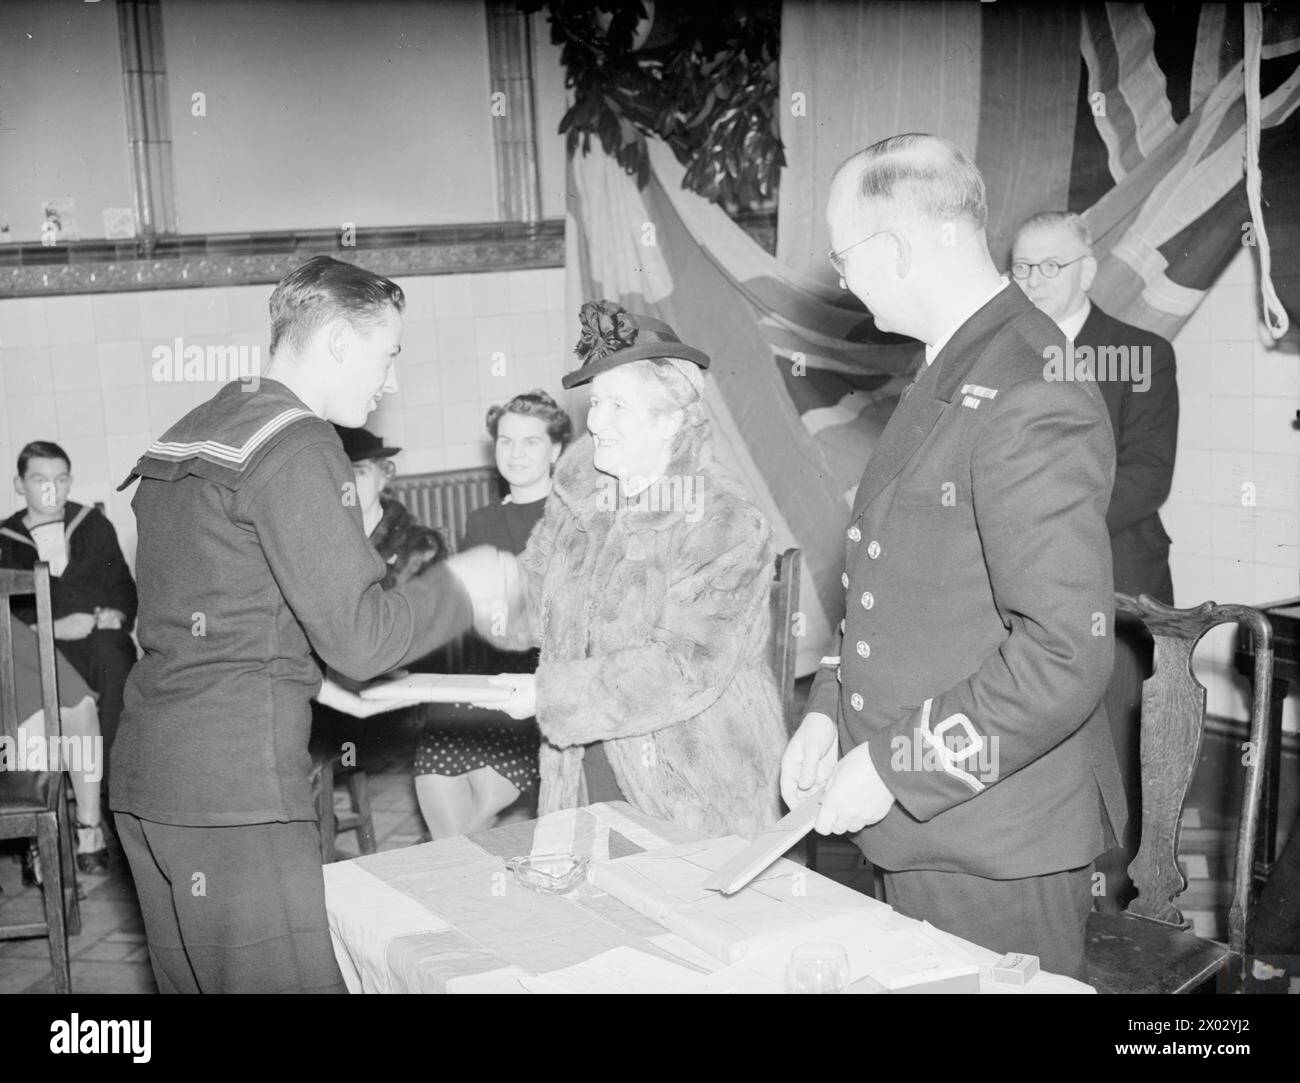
959 727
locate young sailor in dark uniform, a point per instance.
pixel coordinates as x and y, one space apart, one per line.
91 588
251 554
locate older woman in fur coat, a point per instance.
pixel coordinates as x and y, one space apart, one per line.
647 586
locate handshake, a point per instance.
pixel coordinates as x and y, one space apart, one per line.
492 579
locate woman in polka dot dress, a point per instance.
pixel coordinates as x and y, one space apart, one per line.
466 773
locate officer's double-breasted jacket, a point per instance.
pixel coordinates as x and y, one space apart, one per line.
977 641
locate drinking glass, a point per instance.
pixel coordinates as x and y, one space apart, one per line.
817 968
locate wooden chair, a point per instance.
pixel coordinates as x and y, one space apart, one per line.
31 802
1150 947
785 647
327 765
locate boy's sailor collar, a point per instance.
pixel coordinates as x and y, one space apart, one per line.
74 515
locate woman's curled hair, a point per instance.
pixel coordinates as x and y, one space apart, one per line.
536 403
679 384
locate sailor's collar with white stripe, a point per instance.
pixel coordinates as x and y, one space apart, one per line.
74 515
225 437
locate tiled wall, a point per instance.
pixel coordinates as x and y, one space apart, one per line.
78 370
1236 442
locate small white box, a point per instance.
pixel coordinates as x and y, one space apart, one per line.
1015 968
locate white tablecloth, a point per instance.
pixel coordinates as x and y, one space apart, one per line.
448 916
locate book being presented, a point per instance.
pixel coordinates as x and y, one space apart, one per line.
443 688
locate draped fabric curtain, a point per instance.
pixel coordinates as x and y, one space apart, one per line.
855 73
671 254
1000 80
799 387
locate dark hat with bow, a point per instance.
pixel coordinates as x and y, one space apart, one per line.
612 336
362 444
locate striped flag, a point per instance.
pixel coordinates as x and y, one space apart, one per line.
1168 114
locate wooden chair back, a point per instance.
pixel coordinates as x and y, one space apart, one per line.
1172 724
31 802
785 604
21 583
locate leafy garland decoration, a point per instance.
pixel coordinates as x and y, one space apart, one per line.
703 76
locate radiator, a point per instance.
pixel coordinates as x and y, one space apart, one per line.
444 500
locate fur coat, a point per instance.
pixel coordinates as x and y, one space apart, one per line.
653 620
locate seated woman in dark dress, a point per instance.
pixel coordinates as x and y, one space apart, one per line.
467 773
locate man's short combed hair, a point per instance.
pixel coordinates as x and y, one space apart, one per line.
40 449
1075 223
925 174
323 289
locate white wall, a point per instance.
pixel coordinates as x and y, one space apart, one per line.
1239 395
79 371
62 115
320 113
317 112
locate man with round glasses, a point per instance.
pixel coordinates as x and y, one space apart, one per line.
1021 270
1052 261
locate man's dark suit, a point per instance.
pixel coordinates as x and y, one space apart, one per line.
1145 423
977 642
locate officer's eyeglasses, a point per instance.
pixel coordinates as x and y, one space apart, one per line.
1049 268
837 258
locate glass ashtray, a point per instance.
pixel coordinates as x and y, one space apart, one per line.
549 874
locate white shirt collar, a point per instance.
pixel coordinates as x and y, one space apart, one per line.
932 351
51 545
1072 325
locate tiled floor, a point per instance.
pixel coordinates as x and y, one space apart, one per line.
109 956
